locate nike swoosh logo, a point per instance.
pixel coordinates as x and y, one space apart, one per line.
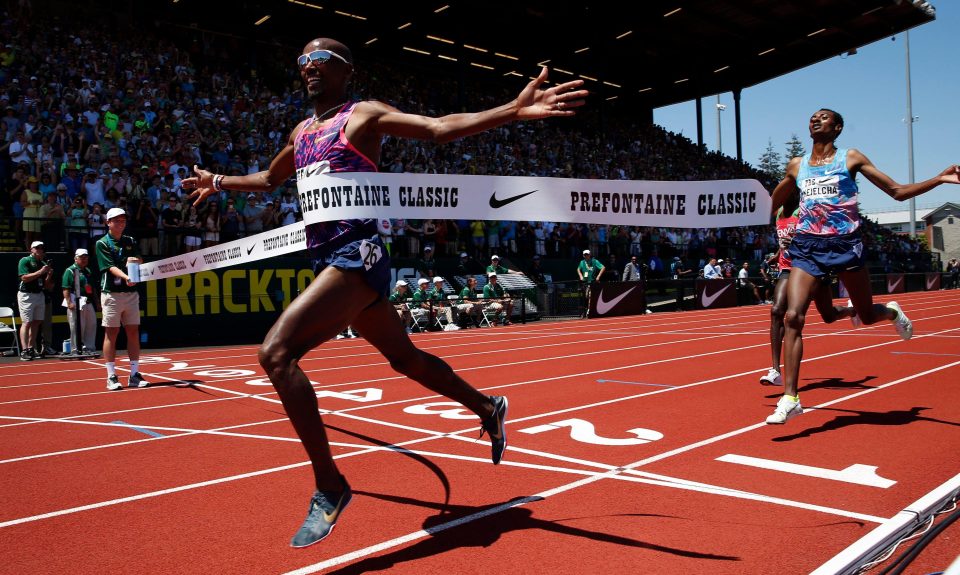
316 168
893 286
331 517
931 281
605 306
707 300
193 262
833 172
251 248
495 203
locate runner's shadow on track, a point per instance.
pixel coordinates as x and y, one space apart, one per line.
486 531
899 417
191 383
433 467
832 383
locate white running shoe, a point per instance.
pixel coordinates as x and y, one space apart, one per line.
113 383
854 319
904 326
786 410
772 378
136 380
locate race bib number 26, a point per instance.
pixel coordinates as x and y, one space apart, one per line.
370 253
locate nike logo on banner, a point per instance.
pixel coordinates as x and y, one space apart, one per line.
251 248
707 300
317 168
495 203
931 281
605 306
194 262
893 286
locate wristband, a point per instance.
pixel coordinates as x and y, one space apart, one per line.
218 182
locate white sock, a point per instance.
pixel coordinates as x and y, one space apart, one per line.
134 367
111 368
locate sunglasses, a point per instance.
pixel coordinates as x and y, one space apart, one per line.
319 56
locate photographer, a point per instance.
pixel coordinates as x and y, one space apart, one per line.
35 276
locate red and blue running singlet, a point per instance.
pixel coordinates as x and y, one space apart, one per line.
786 229
329 151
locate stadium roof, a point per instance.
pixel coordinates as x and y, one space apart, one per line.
649 53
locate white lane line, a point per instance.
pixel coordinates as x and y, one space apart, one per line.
616 473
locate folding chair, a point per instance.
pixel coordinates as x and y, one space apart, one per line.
421 317
7 312
487 313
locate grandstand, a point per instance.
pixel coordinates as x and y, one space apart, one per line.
119 117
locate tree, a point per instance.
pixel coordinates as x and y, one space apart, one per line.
771 163
794 149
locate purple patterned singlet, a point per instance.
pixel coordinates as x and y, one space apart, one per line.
330 148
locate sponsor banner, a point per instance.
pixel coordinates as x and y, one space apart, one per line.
327 197
932 281
281 241
895 283
609 299
716 293
707 204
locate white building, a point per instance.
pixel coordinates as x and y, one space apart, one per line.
898 220
942 226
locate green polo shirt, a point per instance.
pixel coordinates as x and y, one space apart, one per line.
590 270
86 285
467 294
420 296
498 269
395 297
29 265
114 253
491 291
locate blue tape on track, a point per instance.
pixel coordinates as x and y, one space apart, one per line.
140 429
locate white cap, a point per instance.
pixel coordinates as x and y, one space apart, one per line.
437 279
492 275
428 248
114 212
401 283
81 252
494 257
464 255
422 281
720 261
37 244
586 252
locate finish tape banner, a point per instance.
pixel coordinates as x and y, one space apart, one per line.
283 240
328 197
707 204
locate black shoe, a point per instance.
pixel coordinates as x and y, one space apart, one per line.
26 355
322 516
494 427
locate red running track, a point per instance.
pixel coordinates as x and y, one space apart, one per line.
637 445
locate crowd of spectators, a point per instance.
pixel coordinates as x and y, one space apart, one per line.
94 119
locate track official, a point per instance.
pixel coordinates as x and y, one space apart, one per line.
119 298
82 301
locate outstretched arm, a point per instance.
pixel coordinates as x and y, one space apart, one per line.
859 162
533 103
281 168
